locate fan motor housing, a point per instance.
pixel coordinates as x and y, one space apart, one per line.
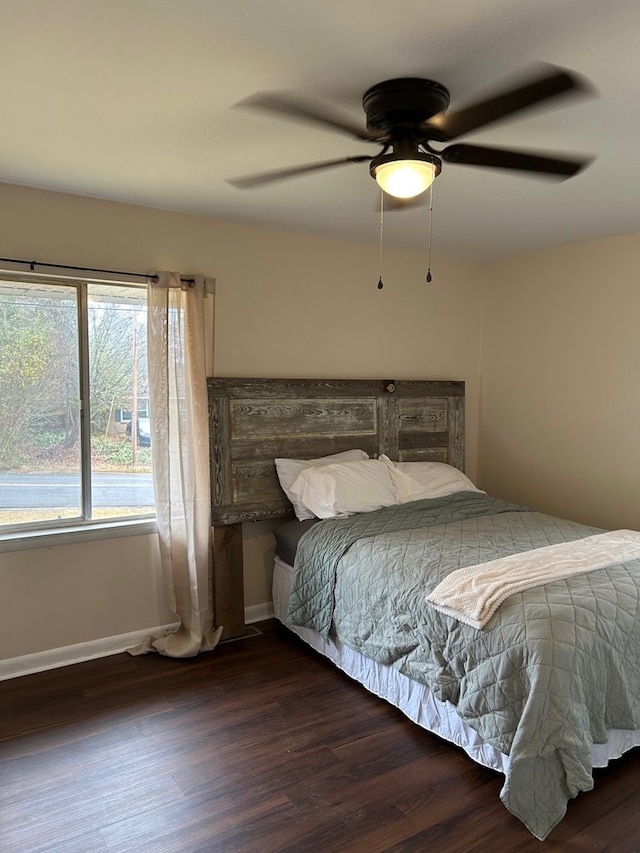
403 103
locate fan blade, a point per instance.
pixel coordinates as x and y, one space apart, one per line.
280 174
503 158
290 106
554 82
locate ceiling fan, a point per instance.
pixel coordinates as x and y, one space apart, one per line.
406 115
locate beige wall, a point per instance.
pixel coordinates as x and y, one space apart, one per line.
560 414
287 305
558 427
59 596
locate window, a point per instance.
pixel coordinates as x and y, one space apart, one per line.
73 361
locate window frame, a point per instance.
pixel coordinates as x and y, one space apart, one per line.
68 530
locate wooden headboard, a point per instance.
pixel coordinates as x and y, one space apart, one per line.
253 421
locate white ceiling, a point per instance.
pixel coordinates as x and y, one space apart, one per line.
133 100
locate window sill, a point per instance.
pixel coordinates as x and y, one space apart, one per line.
82 533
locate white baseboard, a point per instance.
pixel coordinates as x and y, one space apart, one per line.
67 655
258 612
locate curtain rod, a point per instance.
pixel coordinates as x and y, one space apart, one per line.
33 264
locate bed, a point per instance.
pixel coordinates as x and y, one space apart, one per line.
544 689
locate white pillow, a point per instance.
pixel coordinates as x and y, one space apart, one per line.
289 469
415 481
340 489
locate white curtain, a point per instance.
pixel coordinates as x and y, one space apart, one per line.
180 454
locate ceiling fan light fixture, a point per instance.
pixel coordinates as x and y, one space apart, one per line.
405 178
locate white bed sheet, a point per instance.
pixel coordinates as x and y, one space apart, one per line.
416 700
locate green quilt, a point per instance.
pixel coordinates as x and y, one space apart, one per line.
552 671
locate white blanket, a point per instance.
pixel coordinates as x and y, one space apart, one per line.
474 593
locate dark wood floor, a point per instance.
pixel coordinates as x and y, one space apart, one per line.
258 746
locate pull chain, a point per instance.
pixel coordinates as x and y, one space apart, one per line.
380 283
429 277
